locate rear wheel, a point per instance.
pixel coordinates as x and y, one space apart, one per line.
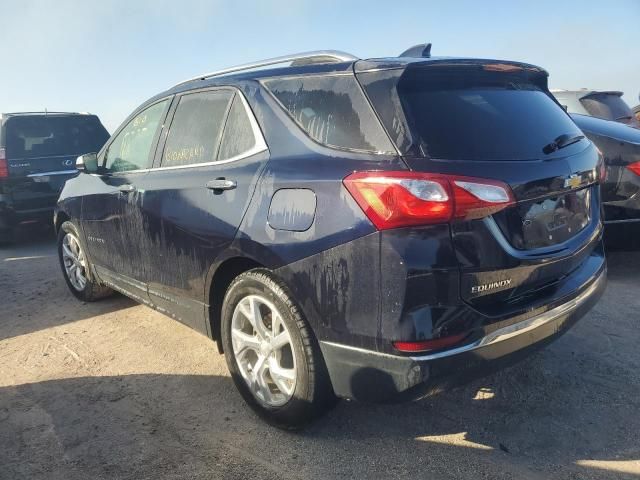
76 268
271 352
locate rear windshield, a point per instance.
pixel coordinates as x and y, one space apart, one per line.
40 136
333 111
468 114
607 106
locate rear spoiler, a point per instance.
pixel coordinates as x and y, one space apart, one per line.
394 63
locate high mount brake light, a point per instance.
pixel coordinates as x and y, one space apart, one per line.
501 67
402 199
635 168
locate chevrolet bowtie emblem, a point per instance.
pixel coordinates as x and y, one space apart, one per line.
574 181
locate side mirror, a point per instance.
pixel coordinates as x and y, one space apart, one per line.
87 163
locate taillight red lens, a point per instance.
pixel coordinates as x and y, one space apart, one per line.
427 345
4 167
401 199
398 199
477 198
635 168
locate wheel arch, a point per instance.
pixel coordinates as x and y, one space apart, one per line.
59 218
223 274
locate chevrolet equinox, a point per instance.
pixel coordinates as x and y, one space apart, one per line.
343 228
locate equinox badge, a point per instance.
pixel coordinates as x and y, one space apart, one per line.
490 286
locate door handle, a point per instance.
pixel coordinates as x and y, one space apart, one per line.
126 188
221 184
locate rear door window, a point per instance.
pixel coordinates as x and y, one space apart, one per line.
468 115
238 138
131 148
196 129
32 136
333 111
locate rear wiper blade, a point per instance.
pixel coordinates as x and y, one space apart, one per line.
624 117
561 142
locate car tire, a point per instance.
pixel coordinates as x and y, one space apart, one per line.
291 387
76 268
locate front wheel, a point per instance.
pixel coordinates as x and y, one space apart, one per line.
272 355
75 266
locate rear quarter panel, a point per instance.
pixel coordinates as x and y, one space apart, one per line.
332 267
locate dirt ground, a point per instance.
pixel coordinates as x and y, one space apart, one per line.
116 390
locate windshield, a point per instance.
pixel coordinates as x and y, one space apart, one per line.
607 106
40 136
464 114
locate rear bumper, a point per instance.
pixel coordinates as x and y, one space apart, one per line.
9 218
373 376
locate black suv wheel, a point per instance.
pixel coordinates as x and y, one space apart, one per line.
75 266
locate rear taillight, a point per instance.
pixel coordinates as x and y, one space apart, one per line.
402 199
477 198
4 167
635 168
428 345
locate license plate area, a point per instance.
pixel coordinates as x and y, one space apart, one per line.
547 222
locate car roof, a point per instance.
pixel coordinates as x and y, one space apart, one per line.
43 114
607 128
324 61
584 92
318 62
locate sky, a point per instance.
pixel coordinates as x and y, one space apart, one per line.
108 56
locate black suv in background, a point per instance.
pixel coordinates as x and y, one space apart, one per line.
620 147
366 229
38 153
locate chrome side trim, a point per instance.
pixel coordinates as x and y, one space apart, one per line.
626 220
57 172
318 56
364 350
497 336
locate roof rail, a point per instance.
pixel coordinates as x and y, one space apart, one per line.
305 58
46 112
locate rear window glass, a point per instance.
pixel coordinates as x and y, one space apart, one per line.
333 111
40 136
607 106
468 115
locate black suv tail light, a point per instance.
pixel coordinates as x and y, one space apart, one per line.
401 199
635 168
4 166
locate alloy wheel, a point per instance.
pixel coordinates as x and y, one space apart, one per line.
74 261
263 350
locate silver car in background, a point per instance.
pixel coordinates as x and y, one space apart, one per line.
607 105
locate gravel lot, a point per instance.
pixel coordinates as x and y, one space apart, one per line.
116 390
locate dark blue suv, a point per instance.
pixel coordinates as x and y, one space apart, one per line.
366 229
